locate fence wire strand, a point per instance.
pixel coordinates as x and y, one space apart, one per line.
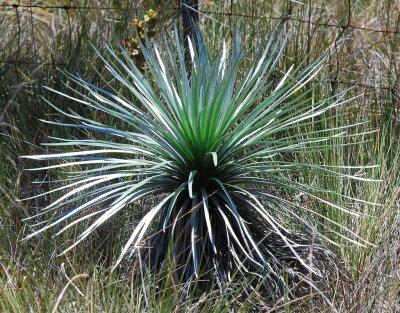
19 7
228 14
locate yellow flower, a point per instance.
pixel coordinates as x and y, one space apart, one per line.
151 13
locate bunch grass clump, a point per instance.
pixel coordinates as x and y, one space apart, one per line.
212 143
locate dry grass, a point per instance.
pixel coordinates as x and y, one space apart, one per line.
33 279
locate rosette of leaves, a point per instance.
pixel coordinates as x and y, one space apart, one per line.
211 154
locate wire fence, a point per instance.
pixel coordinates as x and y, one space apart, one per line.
70 6
293 18
25 35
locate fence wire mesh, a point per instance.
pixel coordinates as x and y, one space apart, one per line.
52 33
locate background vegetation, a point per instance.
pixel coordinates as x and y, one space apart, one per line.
38 37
